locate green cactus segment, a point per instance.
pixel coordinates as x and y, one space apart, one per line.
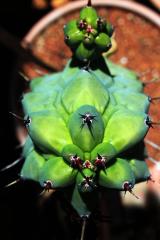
105 150
83 53
123 78
89 36
87 156
70 152
140 170
58 173
34 102
32 166
86 127
109 29
103 78
88 40
116 175
129 100
47 83
48 131
73 35
89 15
89 88
84 203
125 128
103 42
28 147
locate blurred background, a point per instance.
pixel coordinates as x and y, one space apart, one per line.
20 214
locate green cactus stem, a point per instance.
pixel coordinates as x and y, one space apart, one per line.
85 122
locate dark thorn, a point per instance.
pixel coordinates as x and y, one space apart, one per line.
66 38
100 161
90 128
149 123
87 118
48 185
109 46
27 121
76 162
89 4
100 23
82 24
88 182
87 66
127 187
150 179
99 156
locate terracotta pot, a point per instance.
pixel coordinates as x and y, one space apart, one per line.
139 53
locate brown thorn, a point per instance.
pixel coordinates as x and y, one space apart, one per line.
150 179
89 4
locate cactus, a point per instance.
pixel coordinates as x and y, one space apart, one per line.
89 36
85 122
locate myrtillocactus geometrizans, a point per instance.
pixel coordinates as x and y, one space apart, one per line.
85 123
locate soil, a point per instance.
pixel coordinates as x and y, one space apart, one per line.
138 49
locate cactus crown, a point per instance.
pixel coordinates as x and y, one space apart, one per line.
88 36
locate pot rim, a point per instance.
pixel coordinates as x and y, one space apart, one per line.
55 14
